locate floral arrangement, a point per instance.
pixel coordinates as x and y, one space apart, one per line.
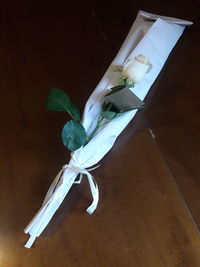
108 110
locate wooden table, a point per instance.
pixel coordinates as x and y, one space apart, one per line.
149 213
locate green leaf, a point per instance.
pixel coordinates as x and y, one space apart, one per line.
57 100
75 112
73 135
109 115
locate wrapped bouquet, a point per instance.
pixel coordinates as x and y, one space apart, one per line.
108 110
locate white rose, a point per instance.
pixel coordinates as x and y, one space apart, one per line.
136 68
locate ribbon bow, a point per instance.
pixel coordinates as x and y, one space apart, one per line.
92 183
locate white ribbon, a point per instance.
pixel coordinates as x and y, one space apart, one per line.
39 222
92 183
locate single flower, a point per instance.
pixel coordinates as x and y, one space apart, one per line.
136 68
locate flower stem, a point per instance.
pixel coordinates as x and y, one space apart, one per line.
100 122
98 126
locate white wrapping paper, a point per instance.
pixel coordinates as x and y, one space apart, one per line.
154 39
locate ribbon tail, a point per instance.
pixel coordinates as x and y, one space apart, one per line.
94 191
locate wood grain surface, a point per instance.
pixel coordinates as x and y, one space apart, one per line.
148 211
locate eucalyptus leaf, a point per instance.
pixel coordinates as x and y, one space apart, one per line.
109 115
73 135
57 100
75 112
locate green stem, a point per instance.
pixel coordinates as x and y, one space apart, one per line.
71 115
99 124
